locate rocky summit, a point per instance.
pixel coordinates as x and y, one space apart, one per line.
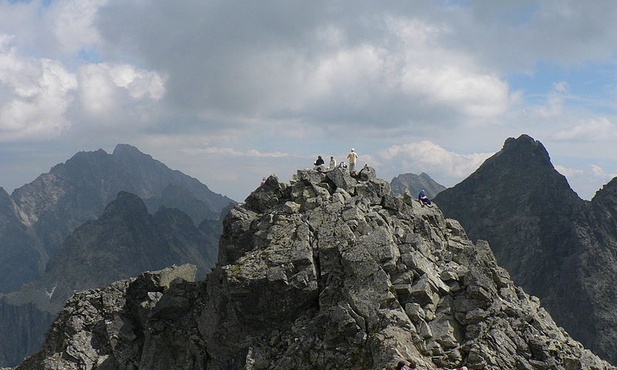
328 271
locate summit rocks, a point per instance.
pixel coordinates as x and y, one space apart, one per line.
328 271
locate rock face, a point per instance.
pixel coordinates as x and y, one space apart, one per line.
413 184
127 325
327 272
555 245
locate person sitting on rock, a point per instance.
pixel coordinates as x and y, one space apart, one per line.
422 198
319 163
332 162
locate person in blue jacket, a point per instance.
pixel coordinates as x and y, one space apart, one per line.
422 198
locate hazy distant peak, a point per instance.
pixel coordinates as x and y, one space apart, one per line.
127 201
124 149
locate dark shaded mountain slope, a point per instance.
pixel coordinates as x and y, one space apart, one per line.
54 204
125 241
20 257
328 272
554 244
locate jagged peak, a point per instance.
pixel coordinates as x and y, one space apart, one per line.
521 167
526 151
329 271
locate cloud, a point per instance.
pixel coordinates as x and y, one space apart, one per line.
589 129
104 87
72 23
599 172
587 181
309 64
266 85
552 108
431 158
514 35
229 152
569 172
34 95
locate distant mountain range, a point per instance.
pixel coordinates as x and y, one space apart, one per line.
40 215
555 245
95 219
101 217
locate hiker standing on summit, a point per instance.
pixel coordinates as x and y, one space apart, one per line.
352 156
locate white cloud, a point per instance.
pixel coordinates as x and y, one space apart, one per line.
431 158
591 129
325 70
72 23
139 83
587 181
599 172
34 95
561 86
569 172
105 88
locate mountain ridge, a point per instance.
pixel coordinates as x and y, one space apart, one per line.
556 246
329 271
38 218
78 190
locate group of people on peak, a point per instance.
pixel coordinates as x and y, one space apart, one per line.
411 365
352 157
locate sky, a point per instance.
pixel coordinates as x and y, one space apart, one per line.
231 91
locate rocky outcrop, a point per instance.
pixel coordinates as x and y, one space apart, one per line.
127 325
554 244
413 184
329 271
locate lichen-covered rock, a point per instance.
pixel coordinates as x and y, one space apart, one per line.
143 323
331 274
